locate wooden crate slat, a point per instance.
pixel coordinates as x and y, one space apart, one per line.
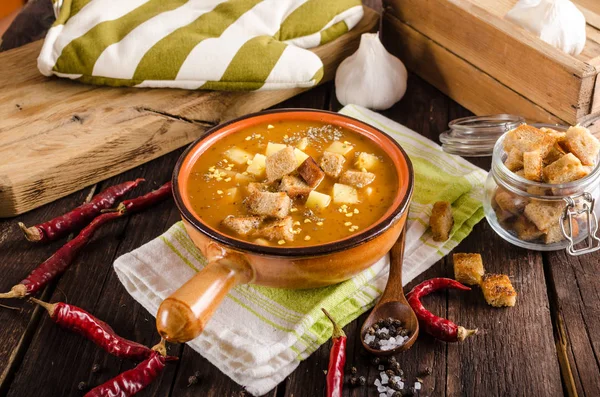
556 81
457 78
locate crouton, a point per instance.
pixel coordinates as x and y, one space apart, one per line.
544 214
559 135
498 290
526 230
510 202
275 205
582 144
242 225
514 161
253 187
555 153
468 268
332 163
566 169
278 229
527 138
311 173
280 163
294 186
532 165
358 179
441 221
555 233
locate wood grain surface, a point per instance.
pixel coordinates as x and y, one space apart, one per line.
58 136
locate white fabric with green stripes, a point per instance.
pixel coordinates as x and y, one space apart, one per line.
259 335
194 44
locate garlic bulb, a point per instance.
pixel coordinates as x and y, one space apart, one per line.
371 77
557 22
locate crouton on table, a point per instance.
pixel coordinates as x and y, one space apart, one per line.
332 164
583 144
280 163
242 225
277 229
498 290
311 173
468 268
276 205
294 186
358 179
441 221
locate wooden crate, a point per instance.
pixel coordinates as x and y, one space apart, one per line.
489 65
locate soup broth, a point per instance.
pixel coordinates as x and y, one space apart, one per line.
292 183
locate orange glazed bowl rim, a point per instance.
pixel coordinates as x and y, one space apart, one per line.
402 164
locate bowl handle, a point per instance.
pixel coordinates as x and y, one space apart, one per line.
183 315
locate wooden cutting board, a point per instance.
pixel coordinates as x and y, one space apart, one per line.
58 136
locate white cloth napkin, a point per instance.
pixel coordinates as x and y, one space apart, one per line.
259 335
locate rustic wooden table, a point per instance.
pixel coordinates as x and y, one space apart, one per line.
547 345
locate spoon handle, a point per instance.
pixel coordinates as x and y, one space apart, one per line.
394 291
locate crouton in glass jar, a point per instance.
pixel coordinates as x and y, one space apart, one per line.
541 190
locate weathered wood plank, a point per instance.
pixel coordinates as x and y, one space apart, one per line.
576 290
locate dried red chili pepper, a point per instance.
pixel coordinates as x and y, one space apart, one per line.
439 328
130 382
62 258
337 359
80 216
80 321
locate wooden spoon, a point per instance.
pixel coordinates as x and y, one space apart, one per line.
393 303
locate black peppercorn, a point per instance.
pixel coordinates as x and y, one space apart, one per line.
82 386
371 331
397 394
353 381
426 371
362 380
390 373
95 368
353 370
375 361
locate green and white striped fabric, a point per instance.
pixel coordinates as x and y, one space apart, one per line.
259 335
194 44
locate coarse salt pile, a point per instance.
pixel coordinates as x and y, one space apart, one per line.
386 335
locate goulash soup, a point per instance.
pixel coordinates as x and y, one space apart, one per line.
292 183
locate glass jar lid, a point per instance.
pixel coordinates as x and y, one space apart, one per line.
476 136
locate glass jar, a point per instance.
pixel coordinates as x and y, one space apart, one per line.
541 216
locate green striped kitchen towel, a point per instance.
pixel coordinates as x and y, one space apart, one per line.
259 335
194 44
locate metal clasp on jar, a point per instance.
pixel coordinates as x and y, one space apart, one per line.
592 242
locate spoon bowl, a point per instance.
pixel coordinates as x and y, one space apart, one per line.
393 304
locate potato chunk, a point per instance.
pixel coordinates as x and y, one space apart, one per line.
302 143
258 165
366 161
468 268
340 148
300 156
317 201
237 155
273 148
344 194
